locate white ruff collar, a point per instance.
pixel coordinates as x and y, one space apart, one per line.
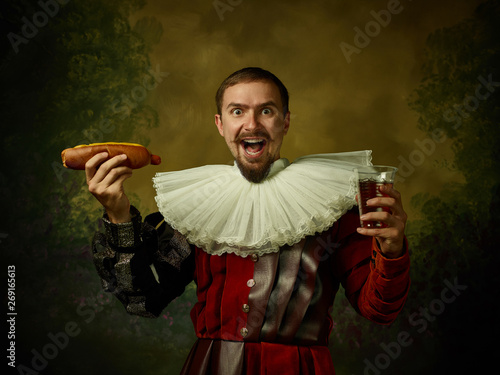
218 210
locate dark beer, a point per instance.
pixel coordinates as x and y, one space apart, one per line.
369 188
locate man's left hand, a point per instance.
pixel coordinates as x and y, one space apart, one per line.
391 237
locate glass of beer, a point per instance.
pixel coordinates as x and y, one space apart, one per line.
370 179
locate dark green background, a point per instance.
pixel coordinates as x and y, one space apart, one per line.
147 72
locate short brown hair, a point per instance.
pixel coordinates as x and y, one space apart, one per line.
251 74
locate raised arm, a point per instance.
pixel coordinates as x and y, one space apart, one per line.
376 286
144 264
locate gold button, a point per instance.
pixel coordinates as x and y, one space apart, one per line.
244 331
254 257
245 308
250 283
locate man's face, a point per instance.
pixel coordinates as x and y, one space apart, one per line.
253 124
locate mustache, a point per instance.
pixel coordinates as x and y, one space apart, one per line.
257 134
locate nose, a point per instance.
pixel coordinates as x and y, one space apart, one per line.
252 122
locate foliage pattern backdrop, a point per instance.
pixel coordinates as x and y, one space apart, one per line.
417 82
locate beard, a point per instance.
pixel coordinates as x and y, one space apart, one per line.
255 172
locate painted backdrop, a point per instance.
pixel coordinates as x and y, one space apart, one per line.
415 81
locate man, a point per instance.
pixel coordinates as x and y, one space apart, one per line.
267 242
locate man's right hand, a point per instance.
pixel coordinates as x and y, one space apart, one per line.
105 180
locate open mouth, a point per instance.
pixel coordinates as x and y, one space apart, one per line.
253 147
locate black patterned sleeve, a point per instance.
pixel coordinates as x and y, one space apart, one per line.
144 264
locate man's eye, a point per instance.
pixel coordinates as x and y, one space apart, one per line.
237 111
266 111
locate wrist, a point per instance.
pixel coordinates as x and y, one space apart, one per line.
119 217
125 234
391 252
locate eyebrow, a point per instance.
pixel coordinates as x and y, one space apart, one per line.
266 104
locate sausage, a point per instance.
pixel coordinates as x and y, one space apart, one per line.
138 156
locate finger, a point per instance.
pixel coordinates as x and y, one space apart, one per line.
389 233
385 204
110 189
381 202
382 216
93 163
389 216
397 209
378 220
388 190
380 233
391 202
115 177
107 166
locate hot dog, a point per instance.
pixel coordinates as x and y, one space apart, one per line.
138 156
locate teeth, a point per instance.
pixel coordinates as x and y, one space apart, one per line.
248 148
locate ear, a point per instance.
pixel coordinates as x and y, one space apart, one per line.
286 125
218 123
